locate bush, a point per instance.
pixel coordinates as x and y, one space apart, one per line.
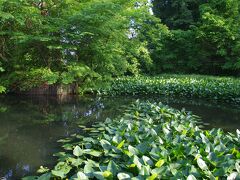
26 80
36 77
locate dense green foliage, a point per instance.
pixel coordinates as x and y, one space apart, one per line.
178 14
218 88
204 36
150 141
57 37
87 42
63 40
2 89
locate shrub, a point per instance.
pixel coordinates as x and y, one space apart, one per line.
26 80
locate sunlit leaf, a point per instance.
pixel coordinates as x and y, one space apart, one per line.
78 151
160 163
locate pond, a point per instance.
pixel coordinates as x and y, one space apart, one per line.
30 126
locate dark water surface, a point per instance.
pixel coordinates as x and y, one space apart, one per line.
30 126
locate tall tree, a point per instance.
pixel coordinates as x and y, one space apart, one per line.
178 14
66 38
219 35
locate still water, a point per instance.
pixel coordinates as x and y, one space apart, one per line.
30 126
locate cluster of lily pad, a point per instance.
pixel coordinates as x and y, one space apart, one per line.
219 88
149 141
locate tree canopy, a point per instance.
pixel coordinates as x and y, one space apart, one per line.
204 36
49 41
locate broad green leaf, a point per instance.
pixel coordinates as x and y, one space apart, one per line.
64 140
46 176
202 164
105 144
145 171
219 172
93 153
120 145
153 177
191 177
112 167
67 146
82 176
147 161
204 138
88 168
137 162
107 174
78 151
98 175
58 173
143 147
75 162
237 166
159 171
123 176
117 139
238 133
42 169
133 150
160 163
232 176
88 139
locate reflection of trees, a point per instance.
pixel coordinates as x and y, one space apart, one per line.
45 109
41 109
33 123
3 108
30 124
3 139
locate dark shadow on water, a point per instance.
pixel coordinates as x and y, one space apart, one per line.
30 126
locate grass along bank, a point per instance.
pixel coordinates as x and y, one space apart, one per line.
149 141
209 87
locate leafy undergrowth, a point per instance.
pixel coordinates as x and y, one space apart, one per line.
2 89
150 141
217 88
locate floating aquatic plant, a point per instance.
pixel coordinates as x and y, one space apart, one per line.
217 88
149 141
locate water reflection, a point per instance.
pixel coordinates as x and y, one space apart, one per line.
30 126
